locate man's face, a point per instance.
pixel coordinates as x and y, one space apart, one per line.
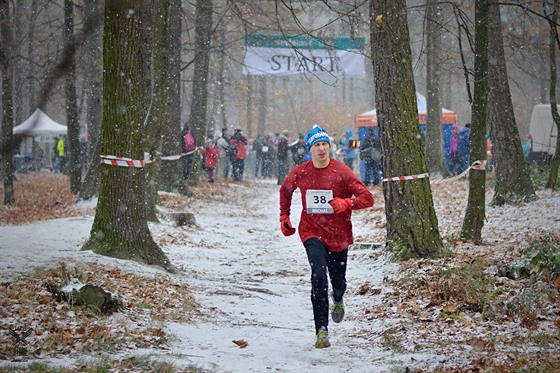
320 151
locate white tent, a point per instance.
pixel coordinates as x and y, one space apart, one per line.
39 124
39 130
543 129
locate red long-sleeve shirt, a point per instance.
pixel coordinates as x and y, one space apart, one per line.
334 230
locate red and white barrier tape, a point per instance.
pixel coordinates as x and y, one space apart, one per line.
477 165
175 157
411 177
115 160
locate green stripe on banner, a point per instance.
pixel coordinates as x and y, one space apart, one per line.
304 42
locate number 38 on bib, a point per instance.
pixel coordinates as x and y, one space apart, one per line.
317 201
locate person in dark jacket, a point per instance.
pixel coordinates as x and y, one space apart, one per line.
283 159
257 148
464 147
298 150
370 152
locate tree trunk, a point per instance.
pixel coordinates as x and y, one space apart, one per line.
552 182
93 78
30 83
513 183
476 209
170 171
203 40
222 75
19 32
158 83
74 158
412 228
263 101
435 156
249 110
7 103
120 228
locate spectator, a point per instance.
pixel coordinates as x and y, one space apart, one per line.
60 155
257 147
370 152
188 145
528 147
224 161
348 147
298 150
464 147
489 154
267 157
211 155
282 156
239 141
454 158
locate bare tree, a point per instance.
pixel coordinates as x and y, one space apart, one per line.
435 157
476 209
552 181
203 40
74 168
412 228
93 59
170 171
513 183
7 64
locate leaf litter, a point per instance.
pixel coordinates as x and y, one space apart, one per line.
456 314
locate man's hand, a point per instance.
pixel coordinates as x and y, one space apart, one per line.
341 205
286 226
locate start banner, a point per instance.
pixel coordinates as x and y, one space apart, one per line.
282 55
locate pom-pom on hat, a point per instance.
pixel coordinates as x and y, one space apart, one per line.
317 134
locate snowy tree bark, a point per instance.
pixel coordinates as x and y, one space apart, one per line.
476 209
170 171
120 228
6 63
435 156
513 183
93 77
412 227
552 182
203 41
158 82
74 169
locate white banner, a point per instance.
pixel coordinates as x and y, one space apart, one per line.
278 55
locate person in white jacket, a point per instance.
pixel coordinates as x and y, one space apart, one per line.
224 162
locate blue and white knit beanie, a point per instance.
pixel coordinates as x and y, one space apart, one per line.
317 134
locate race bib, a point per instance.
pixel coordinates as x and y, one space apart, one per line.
317 201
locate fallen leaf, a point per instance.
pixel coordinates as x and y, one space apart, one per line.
241 343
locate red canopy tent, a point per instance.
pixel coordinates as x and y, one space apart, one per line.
369 118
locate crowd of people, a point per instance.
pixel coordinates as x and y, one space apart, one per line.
273 155
225 156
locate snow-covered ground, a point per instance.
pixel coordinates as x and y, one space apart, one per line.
252 283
